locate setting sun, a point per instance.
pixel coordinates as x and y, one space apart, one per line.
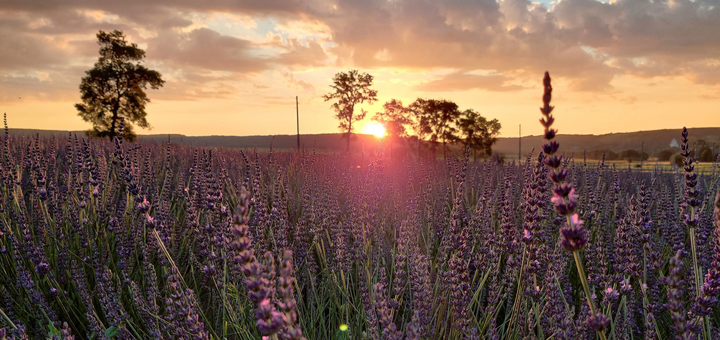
376 129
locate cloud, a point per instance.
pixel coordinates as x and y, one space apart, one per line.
646 38
515 38
40 86
295 83
586 43
464 82
206 49
298 54
705 71
22 52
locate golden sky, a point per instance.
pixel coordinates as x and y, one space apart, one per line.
234 67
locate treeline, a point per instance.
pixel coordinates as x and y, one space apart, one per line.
609 155
438 122
435 121
703 152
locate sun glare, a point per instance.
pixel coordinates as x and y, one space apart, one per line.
376 129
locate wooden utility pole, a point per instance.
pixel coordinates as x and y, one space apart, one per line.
297 112
642 151
519 143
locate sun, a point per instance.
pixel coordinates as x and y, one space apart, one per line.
376 129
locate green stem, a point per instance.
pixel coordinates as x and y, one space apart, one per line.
695 264
586 287
541 334
697 270
646 302
8 319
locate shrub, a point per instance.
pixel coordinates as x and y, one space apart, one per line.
706 155
677 159
664 155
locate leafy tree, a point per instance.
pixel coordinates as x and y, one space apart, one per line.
631 155
677 159
395 119
598 154
435 118
478 132
706 155
115 87
350 89
664 155
420 124
611 155
702 144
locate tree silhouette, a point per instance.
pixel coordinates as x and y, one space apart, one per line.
434 118
420 123
633 155
395 119
664 155
350 89
115 87
478 132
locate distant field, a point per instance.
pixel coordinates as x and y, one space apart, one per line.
652 165
654 141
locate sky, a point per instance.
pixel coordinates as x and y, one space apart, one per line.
234 67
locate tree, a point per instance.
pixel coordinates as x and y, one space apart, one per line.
395 119
420 124
706 155
435 118
611 155
478 132
350 89
664 155
115 87
599 154
631 155
677 159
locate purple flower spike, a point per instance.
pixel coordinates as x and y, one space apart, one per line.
598 322
574 237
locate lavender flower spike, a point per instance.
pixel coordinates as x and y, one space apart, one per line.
573 236
258 277
287 301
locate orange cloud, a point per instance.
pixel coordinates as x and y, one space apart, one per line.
594 49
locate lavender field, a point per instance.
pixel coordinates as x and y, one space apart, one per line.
122 240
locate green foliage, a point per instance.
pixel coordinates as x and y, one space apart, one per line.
52 331
633 155
477 131
350 89
598 155
435 119
114 88
677 159
395 118
111 332
665 155
706 155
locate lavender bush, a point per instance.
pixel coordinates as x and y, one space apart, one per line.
104 240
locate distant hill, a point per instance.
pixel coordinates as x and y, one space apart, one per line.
655 141
330 142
